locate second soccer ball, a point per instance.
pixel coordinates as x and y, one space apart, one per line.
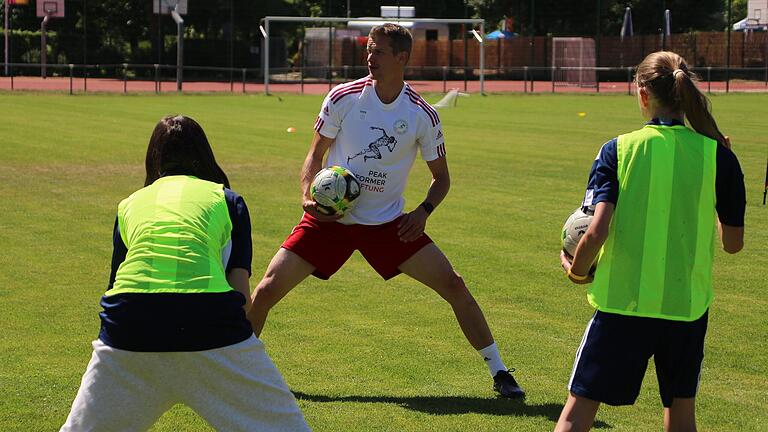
575 227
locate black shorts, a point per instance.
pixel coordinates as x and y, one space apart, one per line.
613 356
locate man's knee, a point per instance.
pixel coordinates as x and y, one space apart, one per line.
457 292
268 292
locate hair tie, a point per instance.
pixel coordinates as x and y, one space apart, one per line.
678 71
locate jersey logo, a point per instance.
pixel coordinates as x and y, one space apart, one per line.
326 111
362 114
400 127
384 141
439 135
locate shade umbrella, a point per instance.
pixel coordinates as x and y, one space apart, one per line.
626 28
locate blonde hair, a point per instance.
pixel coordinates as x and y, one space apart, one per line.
666 77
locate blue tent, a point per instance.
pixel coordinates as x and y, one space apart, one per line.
498 34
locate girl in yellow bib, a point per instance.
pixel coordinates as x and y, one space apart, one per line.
659 194
173 328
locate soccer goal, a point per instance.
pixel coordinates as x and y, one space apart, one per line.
330 50
573 61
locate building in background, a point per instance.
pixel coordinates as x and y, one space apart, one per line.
757 17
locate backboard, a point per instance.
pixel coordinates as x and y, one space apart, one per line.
52 8
168 5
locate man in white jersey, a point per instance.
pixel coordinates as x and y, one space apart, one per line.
375 126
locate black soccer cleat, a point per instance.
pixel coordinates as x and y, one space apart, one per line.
505 385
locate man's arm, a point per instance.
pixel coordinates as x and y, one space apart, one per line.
412 225
312 165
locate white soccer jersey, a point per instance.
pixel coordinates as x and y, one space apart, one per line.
378 142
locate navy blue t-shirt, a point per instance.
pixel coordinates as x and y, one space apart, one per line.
603 184
165 322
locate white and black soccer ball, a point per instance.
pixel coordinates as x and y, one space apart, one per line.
575 227
335 190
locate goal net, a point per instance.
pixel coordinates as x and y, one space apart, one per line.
573 61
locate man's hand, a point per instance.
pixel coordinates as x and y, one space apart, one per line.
311 208
312 165
412 225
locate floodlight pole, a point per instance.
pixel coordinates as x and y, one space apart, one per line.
728 54
179 45
482 58
265 33
7 10
531 44
160 38
231 38
663 26
85 32
597 46
43 45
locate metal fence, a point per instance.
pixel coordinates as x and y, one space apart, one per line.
155 78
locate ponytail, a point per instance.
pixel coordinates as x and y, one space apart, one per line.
665 75
696 107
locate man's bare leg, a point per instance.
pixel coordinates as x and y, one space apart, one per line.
285 271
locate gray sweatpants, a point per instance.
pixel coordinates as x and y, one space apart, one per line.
234 388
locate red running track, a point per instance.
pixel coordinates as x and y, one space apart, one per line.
105 85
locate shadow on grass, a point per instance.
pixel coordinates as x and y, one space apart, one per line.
451 405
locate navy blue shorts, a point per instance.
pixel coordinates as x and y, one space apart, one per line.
613 356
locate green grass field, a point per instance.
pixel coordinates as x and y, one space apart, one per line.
362 354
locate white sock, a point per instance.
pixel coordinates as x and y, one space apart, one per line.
492 358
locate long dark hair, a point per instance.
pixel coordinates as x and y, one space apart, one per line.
666 76
179 146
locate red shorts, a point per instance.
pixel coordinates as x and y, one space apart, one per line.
328 245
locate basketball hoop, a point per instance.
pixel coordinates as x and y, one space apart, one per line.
164 7
50 8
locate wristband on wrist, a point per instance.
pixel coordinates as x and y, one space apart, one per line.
429 208
576 278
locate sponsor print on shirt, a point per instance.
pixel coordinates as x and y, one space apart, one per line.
400 126
389 142
373 182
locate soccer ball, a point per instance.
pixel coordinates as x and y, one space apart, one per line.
335 190
575 227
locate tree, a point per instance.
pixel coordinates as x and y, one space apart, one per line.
687 15
738 9
561 18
